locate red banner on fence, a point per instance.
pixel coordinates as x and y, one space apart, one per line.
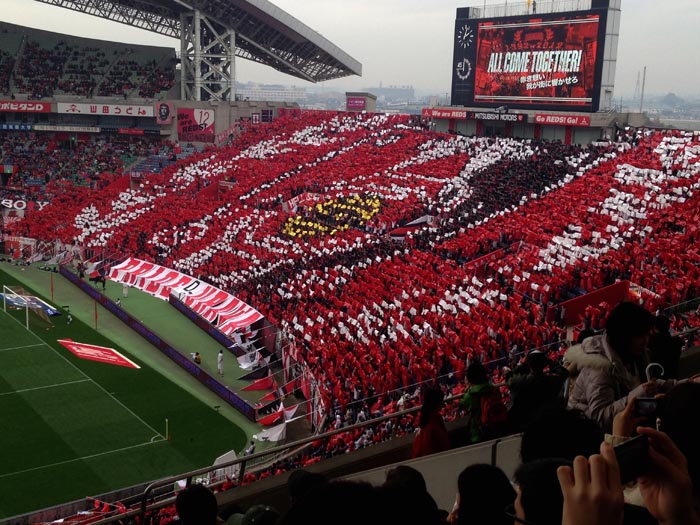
195 125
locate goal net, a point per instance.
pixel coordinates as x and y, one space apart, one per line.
30 310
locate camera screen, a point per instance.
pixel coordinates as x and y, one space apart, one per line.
646 407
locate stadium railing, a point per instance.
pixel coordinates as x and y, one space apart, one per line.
266 458
258 461
160 494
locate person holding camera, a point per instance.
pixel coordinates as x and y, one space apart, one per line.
674 414
609 369
592 489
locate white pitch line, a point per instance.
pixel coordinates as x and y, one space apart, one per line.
89 378
19 347
80 459
43 387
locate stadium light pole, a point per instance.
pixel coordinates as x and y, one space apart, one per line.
644 80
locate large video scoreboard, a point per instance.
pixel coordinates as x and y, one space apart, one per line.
548 62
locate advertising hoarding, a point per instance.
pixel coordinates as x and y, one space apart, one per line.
123 110
460 114
563 120
356 103
494 116
28 106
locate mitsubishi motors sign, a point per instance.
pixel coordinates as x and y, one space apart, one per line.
563 120
495 115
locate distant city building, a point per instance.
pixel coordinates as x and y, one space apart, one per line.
360 101
271 92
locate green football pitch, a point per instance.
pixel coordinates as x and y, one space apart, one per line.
74 428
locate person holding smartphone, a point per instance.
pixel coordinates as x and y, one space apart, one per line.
610 368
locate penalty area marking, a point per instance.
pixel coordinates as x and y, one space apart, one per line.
33 469
99 386
19 347
43 387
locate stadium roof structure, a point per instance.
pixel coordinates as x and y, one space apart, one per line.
264 33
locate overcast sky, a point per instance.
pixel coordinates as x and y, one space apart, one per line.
409 42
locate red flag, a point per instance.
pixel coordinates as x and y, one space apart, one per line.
283 414
261 384
270 396
273 418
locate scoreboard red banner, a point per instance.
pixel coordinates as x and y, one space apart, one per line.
563 120
460 114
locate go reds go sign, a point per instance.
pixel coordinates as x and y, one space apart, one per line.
563 120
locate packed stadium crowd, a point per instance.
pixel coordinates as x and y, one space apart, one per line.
40 66
397 314
39 161
515 228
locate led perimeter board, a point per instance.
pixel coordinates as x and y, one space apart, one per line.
551 61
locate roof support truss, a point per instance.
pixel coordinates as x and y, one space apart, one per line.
137 13
227 28
208 58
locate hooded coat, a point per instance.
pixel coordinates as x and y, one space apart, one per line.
603 382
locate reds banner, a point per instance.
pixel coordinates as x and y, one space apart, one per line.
119 110
563 120
304 199
24 106
100 354
444 113
195 125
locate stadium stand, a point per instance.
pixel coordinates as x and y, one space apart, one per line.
39 64
7 63
516 228
41 162
302 281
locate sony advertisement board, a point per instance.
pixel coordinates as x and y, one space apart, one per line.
547 62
